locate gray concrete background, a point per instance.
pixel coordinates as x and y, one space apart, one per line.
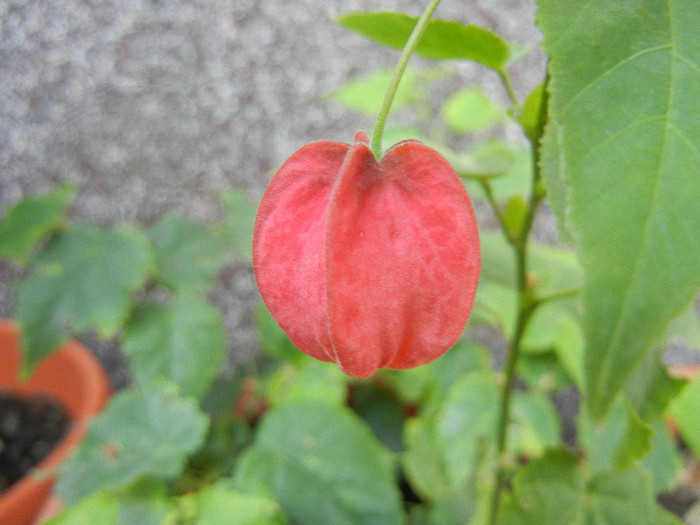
154 106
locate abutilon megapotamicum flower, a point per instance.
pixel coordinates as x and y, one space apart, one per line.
367 263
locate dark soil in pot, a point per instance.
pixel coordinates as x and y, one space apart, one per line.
30 428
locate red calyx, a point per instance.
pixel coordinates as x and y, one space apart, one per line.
367 263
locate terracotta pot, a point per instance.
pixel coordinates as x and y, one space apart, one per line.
75 378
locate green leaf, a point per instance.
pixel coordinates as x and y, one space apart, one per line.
380 410
141 432
322 464
664 460
625 91
529 116
552 327
367 94
272 338
237 228
487 160
146 511
427 385
308 380
552 170
96 508
456 435
442 40
651 388
621 441
549 490
555 271
183 341
514 214
535 425
217 505
624 498
450 501
636 443
686 327
684 410
554 490
83 280
188 255
470 110
568 346
32 219
495 305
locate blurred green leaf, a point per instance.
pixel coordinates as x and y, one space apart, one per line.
217 505
552 171
427 385
183 341
366 94
149 431
568 346
97 508
442 40
470 110
685 412
624 498
188 256
554 490
552 327
664 460
240 222
307 380
529 115
621 441
555 270
625 91
651 388
636 443
32 219
495 305
487 160
272 338
548 490
514 214
144 509
456 433
686 327
497 259
83 280
535 425
322 464
448 450
381 411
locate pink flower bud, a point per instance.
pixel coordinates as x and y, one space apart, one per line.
367 263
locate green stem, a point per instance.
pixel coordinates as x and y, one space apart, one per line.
409 48
505 80
526 306
490 197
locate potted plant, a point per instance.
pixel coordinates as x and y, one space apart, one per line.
72 376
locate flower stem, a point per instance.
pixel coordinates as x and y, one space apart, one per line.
409 48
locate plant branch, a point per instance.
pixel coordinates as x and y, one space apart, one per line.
409 48
509 87
526 306
488 191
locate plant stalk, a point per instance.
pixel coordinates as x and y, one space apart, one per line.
409 48
526 307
